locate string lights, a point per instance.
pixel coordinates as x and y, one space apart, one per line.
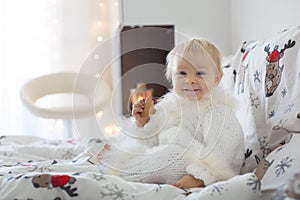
100 22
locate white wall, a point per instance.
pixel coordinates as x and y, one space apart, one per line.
227 23
259 19
209 19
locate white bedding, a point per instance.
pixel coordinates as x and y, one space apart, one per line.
23 158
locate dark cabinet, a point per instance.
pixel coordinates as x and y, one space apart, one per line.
143 59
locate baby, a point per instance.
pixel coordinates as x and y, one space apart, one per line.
192 139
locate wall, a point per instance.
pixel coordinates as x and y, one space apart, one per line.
192 18
257 19
228 24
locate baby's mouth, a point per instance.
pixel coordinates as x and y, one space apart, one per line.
191 89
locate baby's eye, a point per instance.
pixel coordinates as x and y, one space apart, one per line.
200 73
183 73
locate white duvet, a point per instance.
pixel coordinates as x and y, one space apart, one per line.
35 168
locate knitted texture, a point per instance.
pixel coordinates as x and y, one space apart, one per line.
163 166
202 138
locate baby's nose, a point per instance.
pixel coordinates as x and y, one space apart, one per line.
190 80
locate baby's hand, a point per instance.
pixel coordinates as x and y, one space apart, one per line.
148 107
189 181
141 111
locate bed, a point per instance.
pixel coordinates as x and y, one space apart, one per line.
263 75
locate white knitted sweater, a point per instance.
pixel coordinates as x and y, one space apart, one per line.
202 138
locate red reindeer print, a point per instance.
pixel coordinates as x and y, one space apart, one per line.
273 70
62 181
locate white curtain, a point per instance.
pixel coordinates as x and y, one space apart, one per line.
44 36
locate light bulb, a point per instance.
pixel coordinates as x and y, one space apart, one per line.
140 98
99 39
99 114
109 131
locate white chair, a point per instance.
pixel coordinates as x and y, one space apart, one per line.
95 92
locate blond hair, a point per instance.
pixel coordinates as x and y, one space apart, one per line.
191 47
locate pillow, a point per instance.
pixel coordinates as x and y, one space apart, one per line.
267 89
284 163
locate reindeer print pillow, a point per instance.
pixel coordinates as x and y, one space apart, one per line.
267 87
284 163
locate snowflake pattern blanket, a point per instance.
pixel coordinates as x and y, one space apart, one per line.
35 168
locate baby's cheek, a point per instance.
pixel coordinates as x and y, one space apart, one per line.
177 89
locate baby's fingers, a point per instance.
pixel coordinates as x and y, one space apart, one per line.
141 103
177 184
136 108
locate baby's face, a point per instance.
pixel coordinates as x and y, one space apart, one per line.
194 76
